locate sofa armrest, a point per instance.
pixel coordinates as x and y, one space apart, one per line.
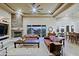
56 43
46 38
51 42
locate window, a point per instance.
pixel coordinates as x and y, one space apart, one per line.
67 28
39 30
72 28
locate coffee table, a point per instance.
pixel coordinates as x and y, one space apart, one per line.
27 42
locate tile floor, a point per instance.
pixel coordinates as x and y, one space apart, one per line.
42 51
70 49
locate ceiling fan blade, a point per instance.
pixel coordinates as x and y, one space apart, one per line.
38 6
33 4
40 9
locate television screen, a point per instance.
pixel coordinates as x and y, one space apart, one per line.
3 29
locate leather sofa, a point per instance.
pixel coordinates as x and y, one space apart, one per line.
54 46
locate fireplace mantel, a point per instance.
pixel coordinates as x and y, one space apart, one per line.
17 29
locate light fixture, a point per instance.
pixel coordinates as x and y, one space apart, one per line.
49 11
34 10
19 11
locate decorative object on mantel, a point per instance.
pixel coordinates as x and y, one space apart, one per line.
3 19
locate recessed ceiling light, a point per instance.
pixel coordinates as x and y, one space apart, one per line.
19 11
49 11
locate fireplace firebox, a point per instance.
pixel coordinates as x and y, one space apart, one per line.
17 34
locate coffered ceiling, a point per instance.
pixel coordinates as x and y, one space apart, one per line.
27 7
48 9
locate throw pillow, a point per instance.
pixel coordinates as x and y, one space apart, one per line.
52 38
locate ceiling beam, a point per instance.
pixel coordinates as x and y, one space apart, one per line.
28 5
37 16
57 7
62 8
7 8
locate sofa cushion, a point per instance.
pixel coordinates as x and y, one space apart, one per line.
52 38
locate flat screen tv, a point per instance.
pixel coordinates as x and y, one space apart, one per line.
3 29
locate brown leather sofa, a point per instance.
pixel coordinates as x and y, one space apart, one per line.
53 46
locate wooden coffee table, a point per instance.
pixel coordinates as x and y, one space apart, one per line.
27 42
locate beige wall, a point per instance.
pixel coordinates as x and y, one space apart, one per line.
37 21
7 15
69 17
64 21
55 23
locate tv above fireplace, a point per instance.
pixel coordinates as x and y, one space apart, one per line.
3 29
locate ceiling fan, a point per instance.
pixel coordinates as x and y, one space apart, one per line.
36 8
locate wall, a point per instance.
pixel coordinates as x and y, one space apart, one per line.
37 21
69 17
7 15
64 21
16 21
55 23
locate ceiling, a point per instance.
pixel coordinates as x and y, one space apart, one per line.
27 7
71 12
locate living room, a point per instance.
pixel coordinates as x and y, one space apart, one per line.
38 21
